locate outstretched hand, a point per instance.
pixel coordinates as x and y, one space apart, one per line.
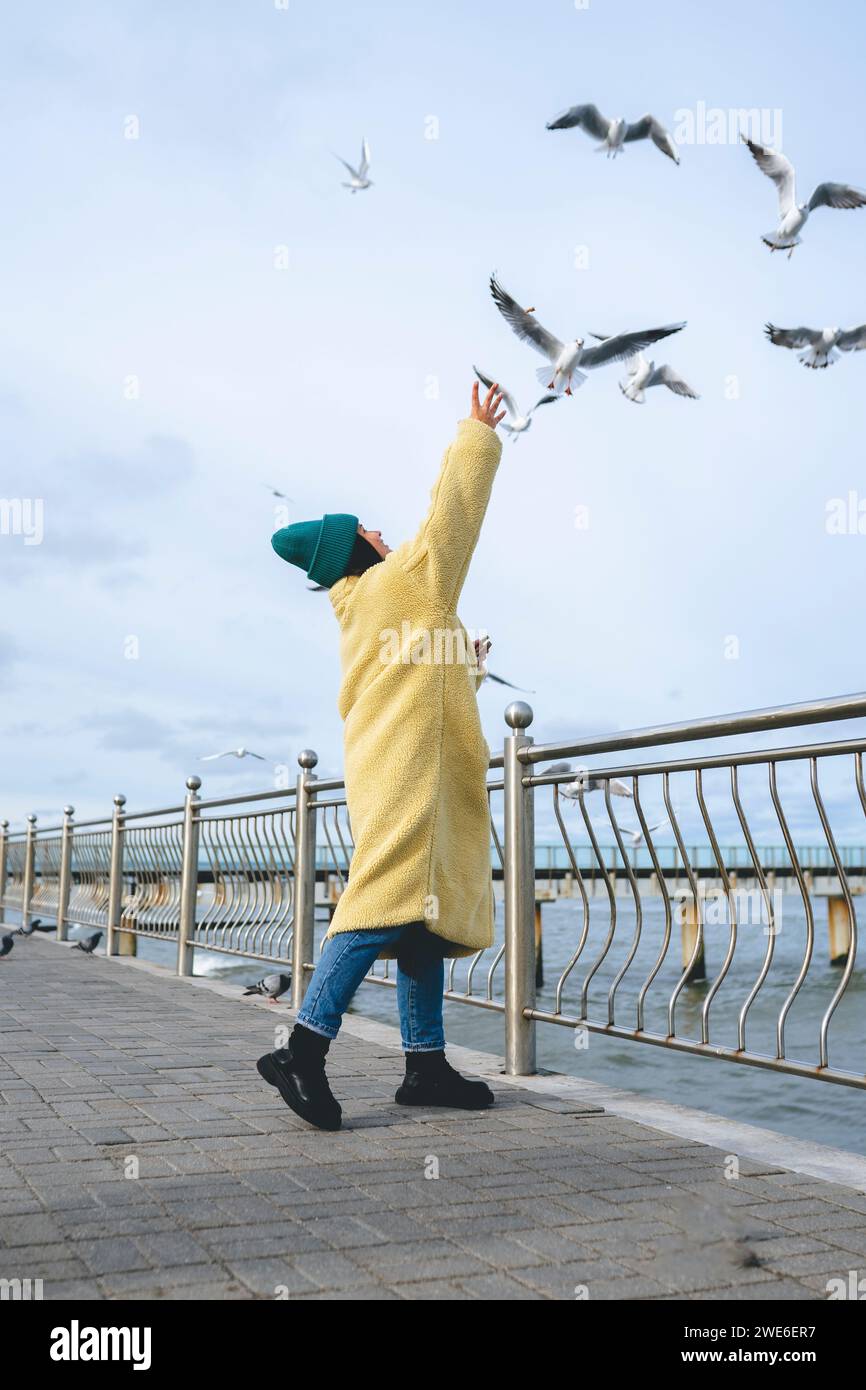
485 411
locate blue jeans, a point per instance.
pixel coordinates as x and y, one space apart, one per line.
347 958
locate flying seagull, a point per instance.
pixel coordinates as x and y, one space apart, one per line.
518 423
275 492
271 986
642 374
6 944
89 944
820 343
500 680
613 134
359 178
637 836
584 782
233 753
793 216
29 930
566 359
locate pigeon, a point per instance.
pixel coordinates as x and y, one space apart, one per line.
6 944
614 134
89 944
29 930
820 343
271 986
359 178
233 753
566 359
637 836
793 216
583 781
518 423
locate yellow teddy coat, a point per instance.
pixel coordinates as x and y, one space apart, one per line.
415 758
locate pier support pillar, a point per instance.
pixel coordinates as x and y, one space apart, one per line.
539 948
690 921
839 929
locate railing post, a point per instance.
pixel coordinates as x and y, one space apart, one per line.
4 852
303 936
519 879
29 865
115 877
188 879
65 874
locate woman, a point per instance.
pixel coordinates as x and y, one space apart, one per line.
416 764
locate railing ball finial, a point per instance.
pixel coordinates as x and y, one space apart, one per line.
69 810
120 800
32 818
519 715
193 783
4 825
307 758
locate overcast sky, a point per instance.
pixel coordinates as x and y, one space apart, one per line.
202 310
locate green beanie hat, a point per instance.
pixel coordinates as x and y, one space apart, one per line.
320 548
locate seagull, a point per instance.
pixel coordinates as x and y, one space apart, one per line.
233 753
584 782
272 986
6 944
643 374
29 930
518 422
793 216
359 178
821 343
637 836
614 134
566 359
500 680
89 944
275 492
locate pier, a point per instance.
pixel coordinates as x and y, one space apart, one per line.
143 1158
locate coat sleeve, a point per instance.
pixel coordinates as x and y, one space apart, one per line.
441 551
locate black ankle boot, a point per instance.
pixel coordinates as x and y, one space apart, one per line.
298 1072
431 1080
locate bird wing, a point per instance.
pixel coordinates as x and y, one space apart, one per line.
558 767
649 126
260 756
364 166
777 168
793 337
588 117
666 376
625 345
543 400
354 172
852 339
525 325
209 757
837 195
510 403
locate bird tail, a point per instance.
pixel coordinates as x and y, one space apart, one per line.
633 393
545 375
780 243
253 989
818 357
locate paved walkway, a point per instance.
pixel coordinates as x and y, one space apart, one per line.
112 1067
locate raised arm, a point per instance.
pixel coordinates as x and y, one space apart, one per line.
443 547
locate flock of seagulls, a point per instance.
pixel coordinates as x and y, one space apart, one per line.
584 783
569 359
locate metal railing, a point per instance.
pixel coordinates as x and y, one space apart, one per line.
660 943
